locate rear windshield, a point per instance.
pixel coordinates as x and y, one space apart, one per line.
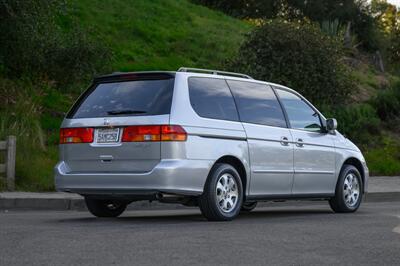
127 98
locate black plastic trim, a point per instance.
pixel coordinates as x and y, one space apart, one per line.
290 197
125 76
134 193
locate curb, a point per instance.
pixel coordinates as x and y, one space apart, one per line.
382 197
77 203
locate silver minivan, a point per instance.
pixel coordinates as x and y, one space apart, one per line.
218 140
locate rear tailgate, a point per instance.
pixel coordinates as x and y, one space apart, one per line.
107 112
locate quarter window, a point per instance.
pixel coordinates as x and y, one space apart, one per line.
300 114
257 103
211 98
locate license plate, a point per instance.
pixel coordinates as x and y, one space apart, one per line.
107 135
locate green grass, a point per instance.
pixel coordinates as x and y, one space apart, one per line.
367 79
33 113
34 168
384 160
160 34
370 81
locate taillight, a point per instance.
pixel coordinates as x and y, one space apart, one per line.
76 135
141 133
154 133
173 133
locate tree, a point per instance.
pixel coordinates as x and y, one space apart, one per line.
355 11
298 56
385 14
33 45
387 17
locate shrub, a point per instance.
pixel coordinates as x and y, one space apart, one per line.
358 12
298 56
20 117
387 103
33 44
357 121
25 114
394 50
385 159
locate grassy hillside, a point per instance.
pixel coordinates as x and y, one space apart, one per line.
382 153
160 34
142 35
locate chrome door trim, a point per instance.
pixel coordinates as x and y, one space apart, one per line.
295 171
218 137
313 172
273 171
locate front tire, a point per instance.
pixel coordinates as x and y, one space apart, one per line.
105 208
349 190
223 194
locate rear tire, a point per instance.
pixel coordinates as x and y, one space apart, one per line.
223 194
105 208
349 191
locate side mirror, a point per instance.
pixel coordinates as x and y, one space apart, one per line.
331 124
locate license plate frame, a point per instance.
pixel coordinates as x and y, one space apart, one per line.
108 135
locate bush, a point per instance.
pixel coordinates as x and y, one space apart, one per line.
299 56
33 113
357 12
394 50
387 103
32 44
385 159
357 122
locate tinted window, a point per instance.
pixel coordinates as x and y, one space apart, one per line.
300 114
257 103
140 97
212 98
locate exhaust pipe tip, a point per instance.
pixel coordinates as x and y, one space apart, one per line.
159 196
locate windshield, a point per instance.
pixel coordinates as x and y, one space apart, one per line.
127 98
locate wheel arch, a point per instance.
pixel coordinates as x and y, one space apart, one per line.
357 164
239 166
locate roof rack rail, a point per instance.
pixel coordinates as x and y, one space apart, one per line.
214 72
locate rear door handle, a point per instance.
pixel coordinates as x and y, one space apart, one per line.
284 141
299 143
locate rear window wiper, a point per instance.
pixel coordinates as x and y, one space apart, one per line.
125 112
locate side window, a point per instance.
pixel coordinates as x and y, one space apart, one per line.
257 103
300 114
211 98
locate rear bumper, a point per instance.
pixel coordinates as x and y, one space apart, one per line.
181 177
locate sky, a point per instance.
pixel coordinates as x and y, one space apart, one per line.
395 2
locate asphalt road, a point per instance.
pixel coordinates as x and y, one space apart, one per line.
286 235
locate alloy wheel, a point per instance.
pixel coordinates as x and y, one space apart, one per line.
351 190
227 192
